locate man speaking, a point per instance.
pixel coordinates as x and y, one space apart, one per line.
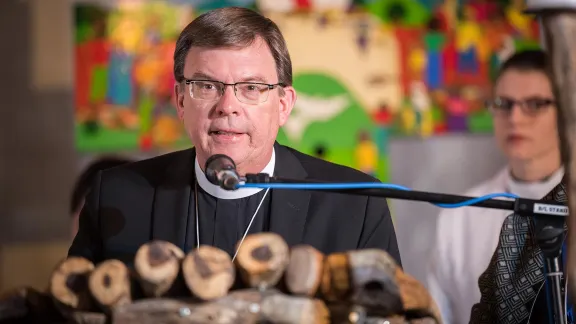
234 90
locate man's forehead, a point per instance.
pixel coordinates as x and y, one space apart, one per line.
249 63
257 47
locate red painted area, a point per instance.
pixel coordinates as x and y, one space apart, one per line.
303 4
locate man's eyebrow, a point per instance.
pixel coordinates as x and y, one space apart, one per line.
248 78
253 78
202 75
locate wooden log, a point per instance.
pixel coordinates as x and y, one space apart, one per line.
341 313
372 278
69 284
418 303
363 278
241 306
27 304
77 317
335 285
280 308
157 264
110 284
262 259
208 272
304 272
425 320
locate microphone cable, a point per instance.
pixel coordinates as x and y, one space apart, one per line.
367 185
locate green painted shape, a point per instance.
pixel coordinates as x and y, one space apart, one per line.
415 13
494 66
434 41
98 84
145 112
338 134
105 140
115 140
437 115
83 32
526 44
480 122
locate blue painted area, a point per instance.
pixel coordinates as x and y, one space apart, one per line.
120 84
434 68
468 61
382 139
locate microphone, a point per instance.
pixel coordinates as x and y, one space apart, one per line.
220 170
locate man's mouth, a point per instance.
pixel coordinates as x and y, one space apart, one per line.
219 132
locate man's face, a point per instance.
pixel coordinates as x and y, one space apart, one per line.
245 132
524 135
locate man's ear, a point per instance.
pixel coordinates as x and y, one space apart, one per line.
179 94
287 102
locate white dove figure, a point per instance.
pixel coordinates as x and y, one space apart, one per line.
283 6
508 48
309 109
321 5
419 96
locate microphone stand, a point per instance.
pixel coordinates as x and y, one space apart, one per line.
549 218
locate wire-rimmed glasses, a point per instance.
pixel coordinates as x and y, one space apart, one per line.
251 93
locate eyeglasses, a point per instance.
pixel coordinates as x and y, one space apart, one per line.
532 106
251 93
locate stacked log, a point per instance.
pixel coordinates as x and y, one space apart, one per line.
268 282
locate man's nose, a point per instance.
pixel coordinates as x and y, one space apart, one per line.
228 104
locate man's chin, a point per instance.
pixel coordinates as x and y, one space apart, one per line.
226 139
235 152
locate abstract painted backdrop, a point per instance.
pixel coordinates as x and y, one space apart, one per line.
365 71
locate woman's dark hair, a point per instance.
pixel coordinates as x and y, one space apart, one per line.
527 60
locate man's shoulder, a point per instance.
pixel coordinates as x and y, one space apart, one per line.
323 170
152 169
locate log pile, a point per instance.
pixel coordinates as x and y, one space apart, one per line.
268 282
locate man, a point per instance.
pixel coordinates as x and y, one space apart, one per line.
234 90
524 118
82 185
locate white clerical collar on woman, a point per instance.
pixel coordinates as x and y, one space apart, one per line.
218 192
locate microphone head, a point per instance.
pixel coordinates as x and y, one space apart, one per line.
215 165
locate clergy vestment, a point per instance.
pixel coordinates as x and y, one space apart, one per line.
513 286
465 241
154 199
225 216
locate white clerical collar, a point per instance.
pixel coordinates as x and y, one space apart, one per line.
533 189
218 192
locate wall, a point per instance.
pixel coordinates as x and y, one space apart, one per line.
37 152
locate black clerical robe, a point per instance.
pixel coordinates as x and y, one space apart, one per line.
223 222
152 200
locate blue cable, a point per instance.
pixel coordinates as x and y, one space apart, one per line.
366 185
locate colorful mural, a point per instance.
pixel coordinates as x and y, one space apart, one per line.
364 70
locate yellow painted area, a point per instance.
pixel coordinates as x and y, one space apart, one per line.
366 154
